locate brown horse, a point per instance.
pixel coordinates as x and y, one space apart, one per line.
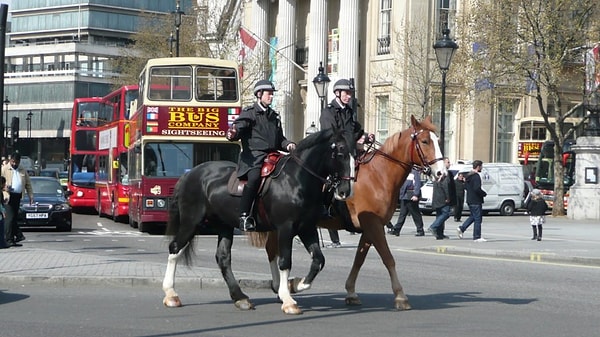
380 176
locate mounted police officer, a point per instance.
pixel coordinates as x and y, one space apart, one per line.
259 129
339 114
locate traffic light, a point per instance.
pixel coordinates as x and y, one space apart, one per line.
14 129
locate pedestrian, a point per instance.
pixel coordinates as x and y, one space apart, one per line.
459 186
3 200
410 193
260 131
17 182
335 239
338 114
475 197
537 207
442 200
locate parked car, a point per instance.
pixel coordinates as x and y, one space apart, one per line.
51 208
50 172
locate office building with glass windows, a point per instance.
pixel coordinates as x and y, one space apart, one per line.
57 51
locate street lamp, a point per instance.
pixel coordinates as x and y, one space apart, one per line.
178 13
311 129
6 103
29 115
444 50
321 82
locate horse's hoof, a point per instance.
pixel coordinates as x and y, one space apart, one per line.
172 302
244 304
402 304
291 309
353 301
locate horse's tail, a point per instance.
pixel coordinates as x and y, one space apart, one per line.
257 239
173 227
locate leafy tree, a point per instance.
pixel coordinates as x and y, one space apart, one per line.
156 38
529 44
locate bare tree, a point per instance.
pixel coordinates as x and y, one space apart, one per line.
528 44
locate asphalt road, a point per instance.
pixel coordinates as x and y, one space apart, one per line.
451 295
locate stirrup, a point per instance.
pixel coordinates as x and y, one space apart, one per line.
247 223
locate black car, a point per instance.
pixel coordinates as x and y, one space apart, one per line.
51 208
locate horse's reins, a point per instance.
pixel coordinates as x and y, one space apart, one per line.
426 164
326 180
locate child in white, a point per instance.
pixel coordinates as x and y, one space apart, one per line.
536 207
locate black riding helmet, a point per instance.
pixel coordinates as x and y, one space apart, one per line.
263 85
343 84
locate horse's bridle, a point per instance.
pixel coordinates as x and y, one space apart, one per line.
331 181
425 168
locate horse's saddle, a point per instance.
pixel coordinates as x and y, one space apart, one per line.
236 186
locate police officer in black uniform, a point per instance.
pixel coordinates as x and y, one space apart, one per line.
259 129
339 114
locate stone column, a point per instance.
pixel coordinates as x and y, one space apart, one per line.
349 26
584 196
260 26
285 75
317 52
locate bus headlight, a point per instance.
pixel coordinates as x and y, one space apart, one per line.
79 194
160 203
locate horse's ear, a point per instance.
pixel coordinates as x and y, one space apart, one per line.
413 121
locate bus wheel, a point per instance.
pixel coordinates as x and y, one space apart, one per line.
99 206
142 227
132 223
507 208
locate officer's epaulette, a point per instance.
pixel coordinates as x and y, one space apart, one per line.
250 107
329 105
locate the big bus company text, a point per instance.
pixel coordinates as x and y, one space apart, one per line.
181 117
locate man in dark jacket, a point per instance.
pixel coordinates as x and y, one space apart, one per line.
459 186
260 131
410 193
475 197
443 198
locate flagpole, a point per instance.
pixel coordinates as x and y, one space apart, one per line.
276 51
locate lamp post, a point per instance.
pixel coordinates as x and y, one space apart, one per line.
6 103
171 41
444 50
178 13
321 82
29 115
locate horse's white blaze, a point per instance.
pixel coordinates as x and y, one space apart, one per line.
284 292
438 166
336 194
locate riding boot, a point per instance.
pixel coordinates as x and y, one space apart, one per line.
539 237
535 234
246 220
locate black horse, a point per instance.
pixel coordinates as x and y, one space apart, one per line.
291 205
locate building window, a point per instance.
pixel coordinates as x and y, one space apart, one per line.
506 118
385 28
383 106
446 10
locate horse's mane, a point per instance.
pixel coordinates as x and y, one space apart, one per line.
391 143
314 139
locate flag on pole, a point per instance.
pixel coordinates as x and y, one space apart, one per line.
247 39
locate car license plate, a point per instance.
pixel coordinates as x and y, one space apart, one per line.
36 216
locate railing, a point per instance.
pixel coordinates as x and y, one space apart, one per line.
383 45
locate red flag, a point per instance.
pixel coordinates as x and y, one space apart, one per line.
242 57
247 39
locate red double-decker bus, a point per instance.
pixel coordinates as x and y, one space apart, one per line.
182 115
88 115
112 183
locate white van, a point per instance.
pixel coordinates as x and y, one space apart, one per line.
503 182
